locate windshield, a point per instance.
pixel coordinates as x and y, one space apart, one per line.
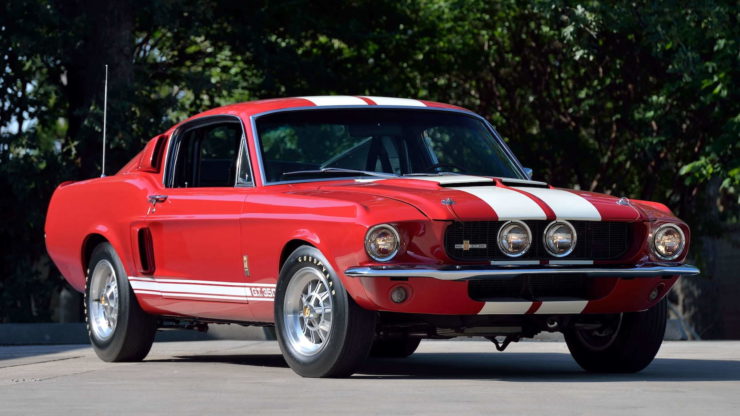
305 144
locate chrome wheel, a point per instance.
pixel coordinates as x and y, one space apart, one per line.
103 303
308 311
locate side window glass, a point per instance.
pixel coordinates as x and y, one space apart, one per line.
207 156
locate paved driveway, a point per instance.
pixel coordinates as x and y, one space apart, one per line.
443 377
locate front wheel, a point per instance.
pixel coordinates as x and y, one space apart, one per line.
321 331
119 329
624 343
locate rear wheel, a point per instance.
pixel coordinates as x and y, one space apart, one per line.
118 328
321 331
399 347
624 343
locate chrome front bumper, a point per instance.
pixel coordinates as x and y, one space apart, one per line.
490 273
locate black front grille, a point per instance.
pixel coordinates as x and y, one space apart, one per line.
596 240
534 287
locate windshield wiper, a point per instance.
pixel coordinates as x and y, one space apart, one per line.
338 172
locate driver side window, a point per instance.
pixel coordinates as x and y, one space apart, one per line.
207 156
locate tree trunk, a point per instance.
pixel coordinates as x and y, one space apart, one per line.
107 28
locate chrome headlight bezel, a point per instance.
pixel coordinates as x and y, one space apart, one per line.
369 240
499 238
550 228
661 229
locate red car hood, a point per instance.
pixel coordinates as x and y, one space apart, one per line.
471 198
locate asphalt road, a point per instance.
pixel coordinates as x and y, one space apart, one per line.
443 377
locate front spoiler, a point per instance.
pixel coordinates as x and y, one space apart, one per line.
492 273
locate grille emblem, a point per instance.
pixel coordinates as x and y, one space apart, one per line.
466 246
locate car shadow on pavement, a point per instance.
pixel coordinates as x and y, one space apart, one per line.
521 367
540 367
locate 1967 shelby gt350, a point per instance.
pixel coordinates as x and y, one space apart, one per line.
360 225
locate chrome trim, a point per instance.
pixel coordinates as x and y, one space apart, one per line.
258 146
488 273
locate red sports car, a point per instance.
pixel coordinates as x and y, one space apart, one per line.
360 225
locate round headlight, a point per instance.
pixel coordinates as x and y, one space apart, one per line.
514 238
382 242
668 241
560 238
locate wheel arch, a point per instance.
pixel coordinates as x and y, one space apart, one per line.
354 289
290 247
96 237
88 245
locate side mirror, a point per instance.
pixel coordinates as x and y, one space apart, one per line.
528 172
151 157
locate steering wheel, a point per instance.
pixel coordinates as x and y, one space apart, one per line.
438 167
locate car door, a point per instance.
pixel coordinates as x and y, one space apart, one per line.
193 223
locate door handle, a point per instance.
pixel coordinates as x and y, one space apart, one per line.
153 199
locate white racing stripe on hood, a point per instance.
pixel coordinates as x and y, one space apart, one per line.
508 204
566 205
324 100
402 102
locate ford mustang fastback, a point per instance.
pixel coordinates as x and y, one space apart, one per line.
358 226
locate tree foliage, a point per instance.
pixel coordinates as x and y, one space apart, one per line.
632 98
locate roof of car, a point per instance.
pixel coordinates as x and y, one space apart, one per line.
261 106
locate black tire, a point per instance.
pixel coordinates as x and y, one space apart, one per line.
632 345
350 329
399 347
133 333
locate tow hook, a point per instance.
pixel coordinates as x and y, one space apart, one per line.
501 345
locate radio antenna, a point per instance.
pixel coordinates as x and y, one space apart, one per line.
105 117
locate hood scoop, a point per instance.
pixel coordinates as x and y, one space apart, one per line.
460 181
524 182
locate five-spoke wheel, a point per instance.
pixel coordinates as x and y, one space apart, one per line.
322 332
119 329
103 300
308 311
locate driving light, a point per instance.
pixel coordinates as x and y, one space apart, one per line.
382 242
514 238
560 238
668 241
399 294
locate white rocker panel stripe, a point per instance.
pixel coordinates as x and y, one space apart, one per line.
331 100
197 282
505 308
508 204
205 290
401 102
562 307
566 205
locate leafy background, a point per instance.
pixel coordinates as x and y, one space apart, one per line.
635 98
